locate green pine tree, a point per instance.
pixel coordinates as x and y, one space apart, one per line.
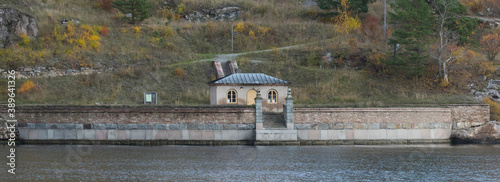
413 22
357 6
138 9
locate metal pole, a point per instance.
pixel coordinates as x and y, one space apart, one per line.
385 20
232 37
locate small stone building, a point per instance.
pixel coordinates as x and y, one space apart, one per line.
241 89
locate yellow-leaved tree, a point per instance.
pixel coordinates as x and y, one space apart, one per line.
345 22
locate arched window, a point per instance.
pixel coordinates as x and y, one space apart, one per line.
231 96
272 97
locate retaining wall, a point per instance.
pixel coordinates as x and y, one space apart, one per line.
135 123
385 123
205 124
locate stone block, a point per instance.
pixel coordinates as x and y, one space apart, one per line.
123 134
260 126
30 125
415 134
98 126
150 134
137 134
79 126
50 134
229 134
192 126
207 134
324 134
160 126
112 134
101 134
40 126
303 127
338 126
391 125
382 125
441 133
89 134
342 134
361 134
349 134
142 126
185 134
402 134
161 135
79 134
66 126
33 134
323 126
183 126
52 126
174 135
42 134
425 133
195 135
218 133
391 134
244 127
174 126
348 126
374 126
332 134
111 126
220 126
290 126
70 134
58 135
24 133
314 135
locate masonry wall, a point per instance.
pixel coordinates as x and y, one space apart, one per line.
384 123
135 123
467 116
238 123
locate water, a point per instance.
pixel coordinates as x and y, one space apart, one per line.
250 163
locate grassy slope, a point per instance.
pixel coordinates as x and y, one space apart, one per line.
151 67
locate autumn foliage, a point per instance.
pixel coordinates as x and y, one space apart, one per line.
26 87
345 22
491 45
494 108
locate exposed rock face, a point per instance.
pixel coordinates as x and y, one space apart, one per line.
13 24
491 91
487 133
221 14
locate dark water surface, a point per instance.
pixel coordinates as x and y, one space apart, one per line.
250 163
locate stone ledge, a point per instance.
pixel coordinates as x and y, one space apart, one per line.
106 126
136 142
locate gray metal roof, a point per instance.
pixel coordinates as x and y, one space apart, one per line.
249 78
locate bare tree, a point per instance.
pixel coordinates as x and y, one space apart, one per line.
446 12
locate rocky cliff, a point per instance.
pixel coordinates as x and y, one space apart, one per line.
13 23
488 133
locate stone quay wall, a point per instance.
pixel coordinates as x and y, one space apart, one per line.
206 124
386 123
135 123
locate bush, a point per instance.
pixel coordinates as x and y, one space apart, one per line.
104 30
106 4
179 72
26 87
494 108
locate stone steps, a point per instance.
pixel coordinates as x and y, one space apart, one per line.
274 121
225 68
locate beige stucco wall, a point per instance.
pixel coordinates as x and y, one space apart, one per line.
221 98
